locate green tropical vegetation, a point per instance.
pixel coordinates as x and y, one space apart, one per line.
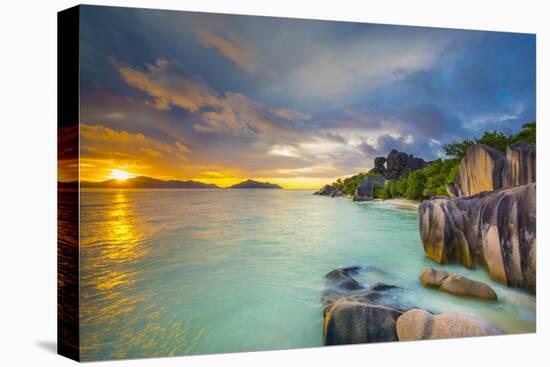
434 178
348 185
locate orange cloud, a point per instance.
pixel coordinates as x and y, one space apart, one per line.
103 148
170 83
181 89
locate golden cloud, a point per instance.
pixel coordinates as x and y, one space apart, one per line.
103 148
171 84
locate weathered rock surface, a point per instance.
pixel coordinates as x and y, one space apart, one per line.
452 191
486 169
365 191
480 170
379 165
351 322
326 190
340 278
461 286
337 193
456 284
433 278
520 168
419 324
495 229
355 314
399 163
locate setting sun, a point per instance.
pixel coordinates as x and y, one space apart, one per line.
120 174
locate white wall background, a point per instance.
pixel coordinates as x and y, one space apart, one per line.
28 181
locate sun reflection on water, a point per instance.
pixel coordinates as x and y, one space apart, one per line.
111 254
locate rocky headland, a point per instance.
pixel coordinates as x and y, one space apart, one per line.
363 186
492 222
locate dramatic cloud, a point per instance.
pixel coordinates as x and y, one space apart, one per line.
221 98
170 84
235 48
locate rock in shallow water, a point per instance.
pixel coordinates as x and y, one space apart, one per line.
419 324
352 322
355 314
433 278
340 278
496 229
456 284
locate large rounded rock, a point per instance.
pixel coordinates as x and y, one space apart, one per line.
445 231
480 170
495 229
365 191
418 324
433 278
351 322
461 286
508 236
399 163
456 284
521 163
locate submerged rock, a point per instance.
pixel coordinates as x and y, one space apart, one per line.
351 322
456 284
419 324
495 229
340 278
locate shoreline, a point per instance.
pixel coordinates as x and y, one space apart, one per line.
400 203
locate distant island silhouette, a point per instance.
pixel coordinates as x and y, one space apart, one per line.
251 184
141 182
144 182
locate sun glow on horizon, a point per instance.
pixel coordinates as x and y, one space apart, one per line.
120 175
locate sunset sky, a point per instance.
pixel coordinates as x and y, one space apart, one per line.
220 98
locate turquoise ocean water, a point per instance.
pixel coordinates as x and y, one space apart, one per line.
177 272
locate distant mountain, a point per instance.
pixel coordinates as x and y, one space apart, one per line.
142 182
251 184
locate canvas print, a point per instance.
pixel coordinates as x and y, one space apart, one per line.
233 183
